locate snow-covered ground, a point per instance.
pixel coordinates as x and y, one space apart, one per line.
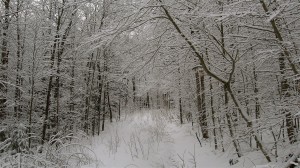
153 139
143 139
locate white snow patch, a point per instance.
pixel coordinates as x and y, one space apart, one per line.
150 139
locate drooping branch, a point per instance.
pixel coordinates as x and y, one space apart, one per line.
278 35
191 45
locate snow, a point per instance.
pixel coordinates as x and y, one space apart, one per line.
155 139
273 15
151 139
263 166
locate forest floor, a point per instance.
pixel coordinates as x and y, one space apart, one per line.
153 139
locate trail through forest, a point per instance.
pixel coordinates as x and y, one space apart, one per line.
120 81
152 139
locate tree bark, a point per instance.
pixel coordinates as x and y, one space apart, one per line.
4 60
104 112
148 101
213 113
201 102
235 143
19 79
119 108
32 89
109 105
87 96
278 35
100 86
249 122
179 94
257 105
134 91
284 83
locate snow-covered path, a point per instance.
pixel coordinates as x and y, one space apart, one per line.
151 139
186 144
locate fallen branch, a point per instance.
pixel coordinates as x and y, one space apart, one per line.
198 139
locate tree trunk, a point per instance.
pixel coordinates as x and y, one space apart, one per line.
72 87
105 89
180 102
18 92
134 91
235 143
169 100
119 109
100 86
180 111
99 106
284 83
87 98
249 122
49 88
221 134
91 91
104 112
48 97
57 91
157 100
286 54
32 89
213 113
4 60
257 105
201 102
127 93
148 101
109 105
